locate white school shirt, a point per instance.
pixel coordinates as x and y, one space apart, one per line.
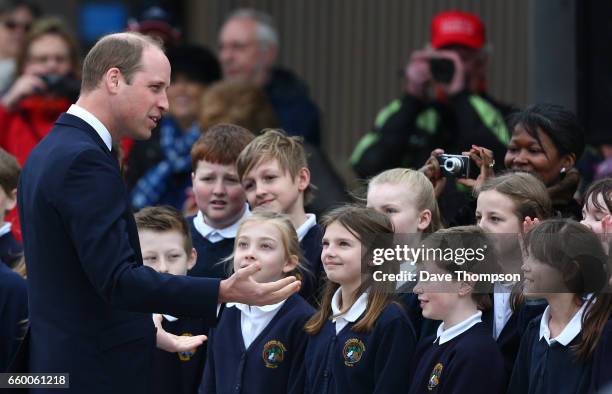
443 336
254 319
570 331
215 235
94 122
6 228
350 316
502 312
311 221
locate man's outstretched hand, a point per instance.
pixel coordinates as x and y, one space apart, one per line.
242 288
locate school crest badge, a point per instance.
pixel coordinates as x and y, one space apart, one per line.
352 351
434 379
273 354
186 356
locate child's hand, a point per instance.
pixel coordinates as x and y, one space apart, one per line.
174 343
606 225
431 169
529 223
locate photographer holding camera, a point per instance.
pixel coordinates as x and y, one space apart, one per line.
444 104
48 83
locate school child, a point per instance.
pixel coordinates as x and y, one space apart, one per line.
275 175
361 339
219 196
596 214
462 356
597 210
502 205
166 247
407 198
260 349
11 250
566 265
13 313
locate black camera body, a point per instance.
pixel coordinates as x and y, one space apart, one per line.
62 85
442 69
457 166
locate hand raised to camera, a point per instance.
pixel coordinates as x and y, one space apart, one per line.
418 74
432 171
24 86
483 158
242 288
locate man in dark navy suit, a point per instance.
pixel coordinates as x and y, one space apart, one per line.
91 298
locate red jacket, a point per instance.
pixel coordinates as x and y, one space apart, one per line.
22 128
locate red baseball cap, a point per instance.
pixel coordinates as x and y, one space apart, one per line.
457 28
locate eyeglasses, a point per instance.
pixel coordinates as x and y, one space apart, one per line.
14 25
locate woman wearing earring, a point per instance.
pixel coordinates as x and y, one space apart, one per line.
546 141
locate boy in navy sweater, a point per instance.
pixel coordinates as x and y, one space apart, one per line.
10 249
219 196
274 172
13 312
462 356
166 247
260 349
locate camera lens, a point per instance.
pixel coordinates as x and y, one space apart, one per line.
453 165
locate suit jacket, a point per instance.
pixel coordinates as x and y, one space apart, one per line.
90 295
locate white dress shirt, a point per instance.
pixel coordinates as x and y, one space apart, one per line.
94 122
571 330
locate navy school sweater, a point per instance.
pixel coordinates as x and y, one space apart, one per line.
179 373
273 363
311 246
209 255
469 363
10 250
510 337
601 375
351 362
540 368
13 312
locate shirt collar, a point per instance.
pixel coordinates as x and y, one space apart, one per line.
254 311
94 122
355 311
311 221
6 228
228 232
571 330
443 336
170 318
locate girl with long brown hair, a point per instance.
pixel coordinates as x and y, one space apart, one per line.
361 339
567 266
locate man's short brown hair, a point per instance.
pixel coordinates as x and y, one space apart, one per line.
9 171
221 144
162 219
120 50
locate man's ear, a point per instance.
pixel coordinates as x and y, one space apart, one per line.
291 264
11 200
424 219
303 178
112 80
192 258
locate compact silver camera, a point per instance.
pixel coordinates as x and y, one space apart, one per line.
457 166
